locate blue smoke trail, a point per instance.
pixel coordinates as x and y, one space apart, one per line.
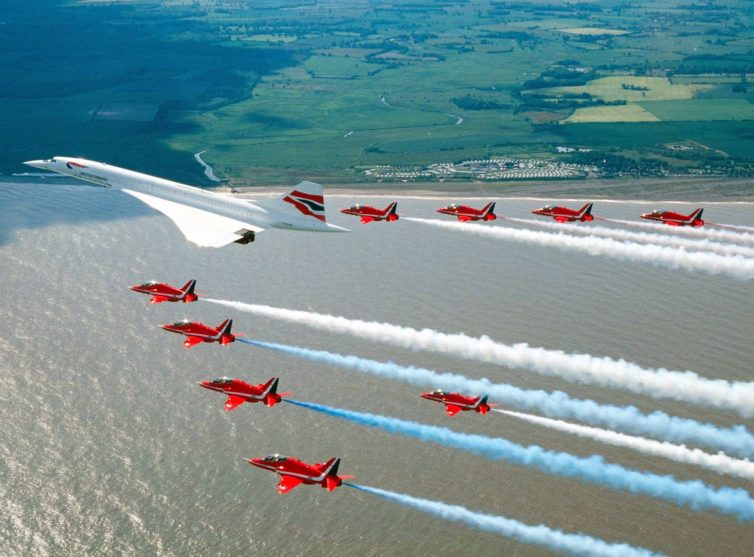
577 544
594 469
736 440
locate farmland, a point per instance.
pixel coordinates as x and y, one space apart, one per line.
330 90
701 110
620 113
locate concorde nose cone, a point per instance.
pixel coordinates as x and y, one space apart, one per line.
37 164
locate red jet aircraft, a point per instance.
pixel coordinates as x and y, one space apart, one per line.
199 332
239 391
369 213
466 213
162 292
455 402
293 472
675 219
564 214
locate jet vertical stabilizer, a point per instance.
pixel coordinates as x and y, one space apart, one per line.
305 205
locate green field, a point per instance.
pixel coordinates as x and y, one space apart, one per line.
339 67
280 90
621 113
709 79
651 89
732 138
269 38
593 31
701 109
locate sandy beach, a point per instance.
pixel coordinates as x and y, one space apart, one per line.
681 189
675 188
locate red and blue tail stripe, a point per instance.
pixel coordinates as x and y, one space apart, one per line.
308 204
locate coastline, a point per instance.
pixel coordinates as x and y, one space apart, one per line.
672 189
675 189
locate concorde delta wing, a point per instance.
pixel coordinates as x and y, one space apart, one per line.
203 228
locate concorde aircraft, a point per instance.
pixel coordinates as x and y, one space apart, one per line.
205 218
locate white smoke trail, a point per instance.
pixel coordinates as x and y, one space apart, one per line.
556 540
593 469
719 463
695 232
744 229
737 267
581 368
557 404
694 244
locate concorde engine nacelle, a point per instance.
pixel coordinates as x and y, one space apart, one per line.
246 238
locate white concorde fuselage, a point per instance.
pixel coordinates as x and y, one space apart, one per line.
302 209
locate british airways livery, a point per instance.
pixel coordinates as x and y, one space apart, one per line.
205 218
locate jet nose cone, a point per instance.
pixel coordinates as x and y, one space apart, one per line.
425 395
37 164
204 384
254 461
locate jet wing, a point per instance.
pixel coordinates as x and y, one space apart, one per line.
158 299
192 341
366 220
287 483
464 218
200 227
233 402
452 409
